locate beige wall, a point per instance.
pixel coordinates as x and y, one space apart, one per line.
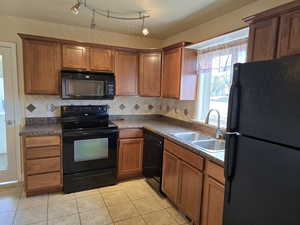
223 24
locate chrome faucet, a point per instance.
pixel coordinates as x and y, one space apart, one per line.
218 130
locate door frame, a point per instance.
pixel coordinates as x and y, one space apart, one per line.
17 110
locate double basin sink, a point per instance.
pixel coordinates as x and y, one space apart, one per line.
206 143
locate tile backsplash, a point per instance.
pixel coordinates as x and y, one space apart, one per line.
49 106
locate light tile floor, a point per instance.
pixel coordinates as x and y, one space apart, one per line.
127 203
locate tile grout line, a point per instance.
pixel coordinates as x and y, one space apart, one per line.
77 207
18 202
48 197
106 206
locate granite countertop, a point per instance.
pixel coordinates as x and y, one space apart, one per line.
161 126
41 129
167 129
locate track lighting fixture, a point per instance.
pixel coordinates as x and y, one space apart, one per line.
93 22
109 14
75 8
145 30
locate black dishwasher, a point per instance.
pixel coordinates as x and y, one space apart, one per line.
153 158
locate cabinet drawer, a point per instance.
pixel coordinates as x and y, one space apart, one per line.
37 166
40 141
184 154
43 181
131 133
42 152
215 171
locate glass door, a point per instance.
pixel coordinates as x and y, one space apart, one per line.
8 136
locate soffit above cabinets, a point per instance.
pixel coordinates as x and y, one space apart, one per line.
168 17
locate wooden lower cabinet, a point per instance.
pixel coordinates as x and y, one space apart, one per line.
42 164
182 182
130 158
170 176
213 201
190 191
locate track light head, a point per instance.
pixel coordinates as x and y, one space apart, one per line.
75 8
145 31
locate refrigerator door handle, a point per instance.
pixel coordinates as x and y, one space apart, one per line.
229 161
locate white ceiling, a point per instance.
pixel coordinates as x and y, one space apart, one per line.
168 17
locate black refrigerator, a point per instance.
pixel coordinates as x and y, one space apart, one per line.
262 158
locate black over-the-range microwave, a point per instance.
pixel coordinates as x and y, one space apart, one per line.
87 85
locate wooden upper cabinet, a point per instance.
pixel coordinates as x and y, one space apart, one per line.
170 176
126 72
275 32
179 73
213 202
101 59
130 156
263 40
289 37
172 73
150 74
75 57
190 191
42 64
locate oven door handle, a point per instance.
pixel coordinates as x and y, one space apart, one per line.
89 133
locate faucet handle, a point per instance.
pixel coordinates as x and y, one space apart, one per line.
219 133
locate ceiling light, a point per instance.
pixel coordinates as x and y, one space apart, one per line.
145 31
75 8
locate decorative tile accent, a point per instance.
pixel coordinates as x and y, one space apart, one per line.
122 106
186 112
30 108
52 108
150 107
136 107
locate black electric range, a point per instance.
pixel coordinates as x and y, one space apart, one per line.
89 147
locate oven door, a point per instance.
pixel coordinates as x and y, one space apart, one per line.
88 150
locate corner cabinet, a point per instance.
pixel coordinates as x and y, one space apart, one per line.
150 74
126 72
42 65
179 78
274 33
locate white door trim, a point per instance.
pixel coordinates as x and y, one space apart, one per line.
17 114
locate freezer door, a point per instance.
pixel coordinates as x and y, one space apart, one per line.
265 100
264 186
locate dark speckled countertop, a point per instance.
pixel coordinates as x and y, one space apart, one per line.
167 129
160 125
41 129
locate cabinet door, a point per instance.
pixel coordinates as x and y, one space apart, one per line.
42 64
150 74
171 73
289 37
170 176
190 191
101 59
263 40
213 202
75 57
130 156
126 72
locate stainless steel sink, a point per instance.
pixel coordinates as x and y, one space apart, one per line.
191 136
211 145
